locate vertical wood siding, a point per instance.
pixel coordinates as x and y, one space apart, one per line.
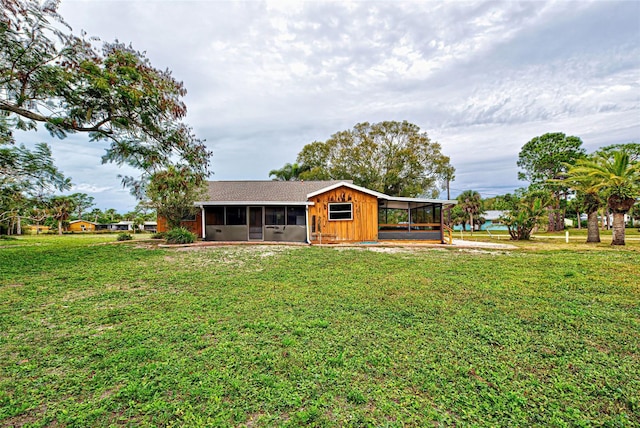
77 227
363 227
192 226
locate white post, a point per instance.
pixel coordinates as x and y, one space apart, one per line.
204 223
566 236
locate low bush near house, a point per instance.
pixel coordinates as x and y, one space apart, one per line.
124 237
158 235
180 235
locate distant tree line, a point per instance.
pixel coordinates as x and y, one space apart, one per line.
57 211
398 159
564 178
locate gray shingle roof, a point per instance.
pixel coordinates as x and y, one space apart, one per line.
264 191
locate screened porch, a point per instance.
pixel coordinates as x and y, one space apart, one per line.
406 219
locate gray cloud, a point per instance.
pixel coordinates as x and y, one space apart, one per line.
482 78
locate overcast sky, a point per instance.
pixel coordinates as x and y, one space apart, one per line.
481 78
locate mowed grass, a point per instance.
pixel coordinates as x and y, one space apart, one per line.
130 334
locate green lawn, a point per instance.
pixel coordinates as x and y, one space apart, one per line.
98 334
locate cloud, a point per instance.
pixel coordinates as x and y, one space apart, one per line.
482 78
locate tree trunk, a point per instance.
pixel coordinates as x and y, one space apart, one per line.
559 220
618 228
620 206
19 226
471 221
593 231
579 221
551 226
59 227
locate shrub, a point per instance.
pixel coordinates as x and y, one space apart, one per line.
158 235
180 235
124 237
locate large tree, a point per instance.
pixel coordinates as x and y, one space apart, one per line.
395 158
82 203
544 161
60 209
172 193
618 178
112 92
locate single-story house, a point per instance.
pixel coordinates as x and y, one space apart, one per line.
116 227
35 229
313 212
149 226
81 226
127 226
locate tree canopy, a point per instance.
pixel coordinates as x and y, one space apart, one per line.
172 193
111 92
395 158
547 157
544 161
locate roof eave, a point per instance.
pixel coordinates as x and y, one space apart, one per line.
250 203
349 185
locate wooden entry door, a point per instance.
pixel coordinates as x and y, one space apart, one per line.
255 223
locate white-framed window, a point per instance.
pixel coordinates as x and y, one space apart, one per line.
340 211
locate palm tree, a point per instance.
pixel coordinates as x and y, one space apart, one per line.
289 172
524 214
471 203
588 196
618 177
61 208
458 217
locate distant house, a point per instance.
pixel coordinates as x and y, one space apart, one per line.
121 226
150 226
492 220
313 212
81 226
35 229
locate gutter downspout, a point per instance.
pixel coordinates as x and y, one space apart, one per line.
204 231
306 211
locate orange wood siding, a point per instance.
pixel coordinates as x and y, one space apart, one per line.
162 224
192 226
363 226
77 227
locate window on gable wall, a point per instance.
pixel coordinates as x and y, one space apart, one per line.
341 211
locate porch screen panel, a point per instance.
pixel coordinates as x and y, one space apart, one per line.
274 216
236 216
425 214
296 216
393 218
214 216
